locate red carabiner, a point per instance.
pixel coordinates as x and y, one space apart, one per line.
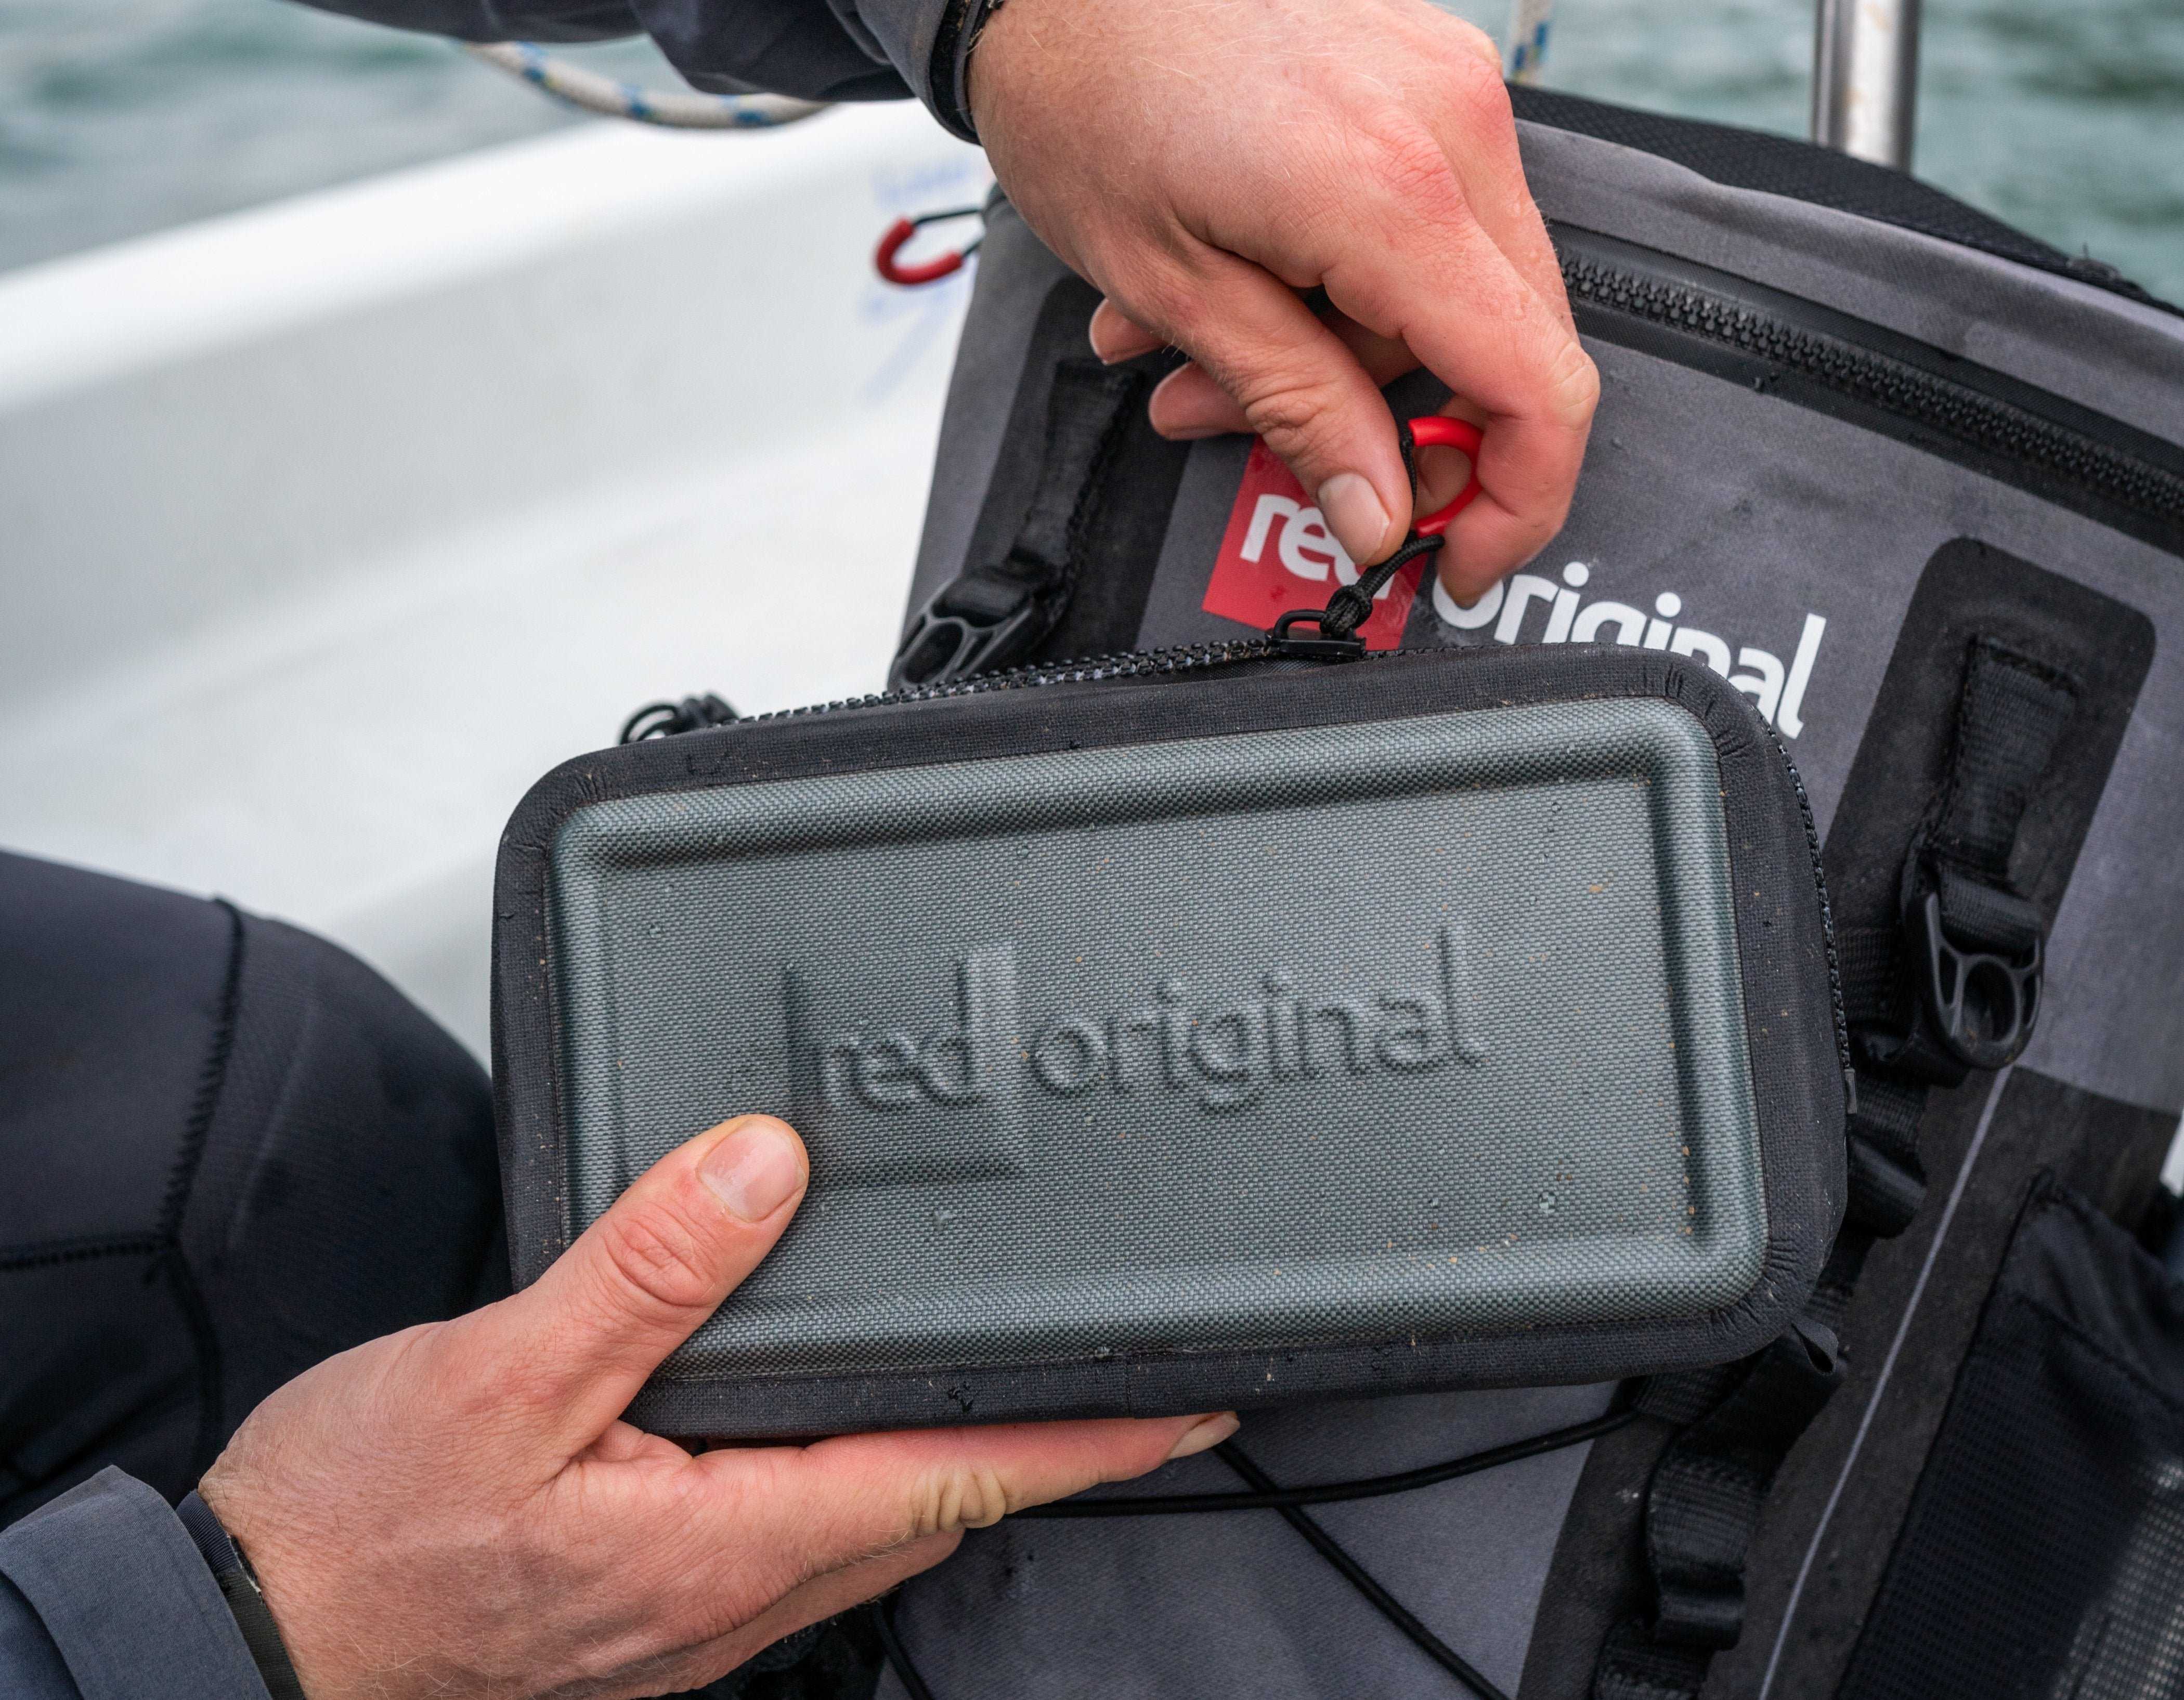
1437 430
926 271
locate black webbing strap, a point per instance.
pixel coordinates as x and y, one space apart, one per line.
993 614
1952 986
246 1600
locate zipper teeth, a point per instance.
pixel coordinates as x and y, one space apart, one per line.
1135 664
1956 410
1820 891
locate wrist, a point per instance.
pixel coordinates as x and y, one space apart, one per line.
955 47
238 1586
989 29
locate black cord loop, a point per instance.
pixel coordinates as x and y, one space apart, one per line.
1351 606
1338 1493
1361 1579
664 719
1264 1494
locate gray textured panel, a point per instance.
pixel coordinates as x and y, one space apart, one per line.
1335 1034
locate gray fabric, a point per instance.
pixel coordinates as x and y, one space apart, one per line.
816 49
2082 342
1015 272
1715 495
1235 1606
31 1666
122 1597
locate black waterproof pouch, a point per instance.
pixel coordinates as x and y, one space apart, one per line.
1197 1030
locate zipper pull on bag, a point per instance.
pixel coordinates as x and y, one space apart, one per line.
1351 605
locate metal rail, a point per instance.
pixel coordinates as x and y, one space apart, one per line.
1865 79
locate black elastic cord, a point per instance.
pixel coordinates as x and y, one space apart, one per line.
1356 1575
1351 606
1337 1493
891 1645
666 720
1267 1495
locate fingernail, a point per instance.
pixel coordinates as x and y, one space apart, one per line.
1207 1431
1190 433
1105 333
754 1170
1354 514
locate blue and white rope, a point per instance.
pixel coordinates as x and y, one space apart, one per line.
671 108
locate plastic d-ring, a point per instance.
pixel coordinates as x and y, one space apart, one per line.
1437 430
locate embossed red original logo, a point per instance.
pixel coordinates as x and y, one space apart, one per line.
1278 555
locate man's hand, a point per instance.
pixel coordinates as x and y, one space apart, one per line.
458 1509
1202 162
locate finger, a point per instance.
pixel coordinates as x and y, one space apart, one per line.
1527 472
579 1342
1188 403
1115 335
623 1443
863 1493
1299 387
1496 344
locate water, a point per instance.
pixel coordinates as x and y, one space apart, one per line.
2066 116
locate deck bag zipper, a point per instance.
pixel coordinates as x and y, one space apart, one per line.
1175 1032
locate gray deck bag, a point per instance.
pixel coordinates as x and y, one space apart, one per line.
1197 1030
1913 481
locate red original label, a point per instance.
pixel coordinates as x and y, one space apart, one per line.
1278 555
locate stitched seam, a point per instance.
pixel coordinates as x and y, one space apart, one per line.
45 1256
195 1131
180 1182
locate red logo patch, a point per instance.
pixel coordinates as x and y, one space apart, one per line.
1278 555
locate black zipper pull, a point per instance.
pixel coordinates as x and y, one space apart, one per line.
666 719
1346 610
1351 606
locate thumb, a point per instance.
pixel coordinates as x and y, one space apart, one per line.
1302 390
581 1340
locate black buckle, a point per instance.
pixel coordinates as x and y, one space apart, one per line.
1321 648
953 637
1981 1002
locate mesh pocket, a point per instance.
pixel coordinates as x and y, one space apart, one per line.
2044 1553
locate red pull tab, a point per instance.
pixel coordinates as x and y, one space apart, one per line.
925 271
1437 430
